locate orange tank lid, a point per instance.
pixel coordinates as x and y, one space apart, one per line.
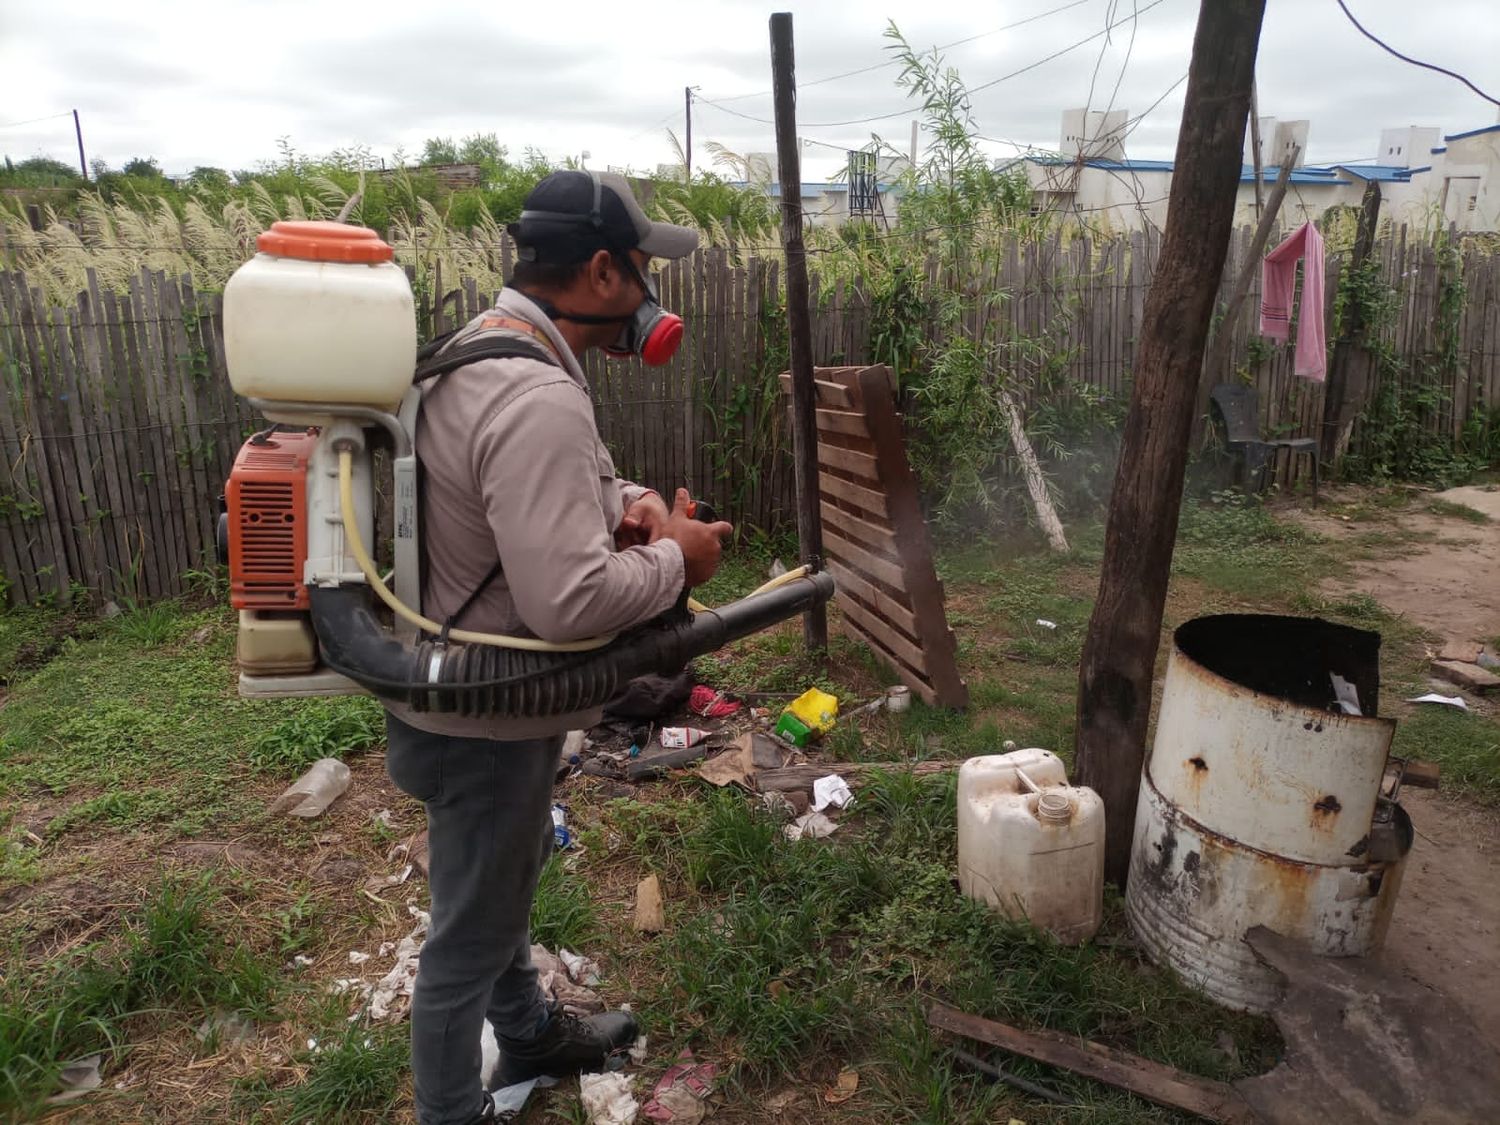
318 241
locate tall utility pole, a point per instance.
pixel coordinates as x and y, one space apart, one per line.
1257 160
799 319
687 152
83 165
1119 654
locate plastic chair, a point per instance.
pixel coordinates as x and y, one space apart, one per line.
1236 408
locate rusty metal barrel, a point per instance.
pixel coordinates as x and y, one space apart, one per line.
1261 802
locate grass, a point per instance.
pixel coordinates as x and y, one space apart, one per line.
1439 507
170 957
783 961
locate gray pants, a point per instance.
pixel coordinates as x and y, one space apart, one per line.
489 828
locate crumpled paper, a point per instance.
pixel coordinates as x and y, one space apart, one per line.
607 1099
832 790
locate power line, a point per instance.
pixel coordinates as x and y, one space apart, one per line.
973 90
1065 50
896 62
34 120
1408 59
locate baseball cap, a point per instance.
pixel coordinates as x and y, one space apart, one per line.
571 215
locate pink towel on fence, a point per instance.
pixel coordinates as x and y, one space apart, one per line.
1279 282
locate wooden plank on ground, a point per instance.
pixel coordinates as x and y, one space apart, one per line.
1156 1082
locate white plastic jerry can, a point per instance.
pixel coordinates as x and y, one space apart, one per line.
1030 844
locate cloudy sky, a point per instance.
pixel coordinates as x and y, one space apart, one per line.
219 83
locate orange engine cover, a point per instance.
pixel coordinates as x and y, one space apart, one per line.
267 502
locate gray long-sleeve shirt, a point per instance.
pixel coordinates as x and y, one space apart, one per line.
513 468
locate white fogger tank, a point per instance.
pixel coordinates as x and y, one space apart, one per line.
320 336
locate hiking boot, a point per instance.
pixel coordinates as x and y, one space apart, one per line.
566 1045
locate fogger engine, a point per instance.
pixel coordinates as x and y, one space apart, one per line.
320 336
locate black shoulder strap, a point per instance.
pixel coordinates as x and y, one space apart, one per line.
433 361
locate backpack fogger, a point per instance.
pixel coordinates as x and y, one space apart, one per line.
320 337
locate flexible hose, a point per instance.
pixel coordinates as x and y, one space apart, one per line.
467 636
405 612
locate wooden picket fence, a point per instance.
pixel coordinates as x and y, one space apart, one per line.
118 426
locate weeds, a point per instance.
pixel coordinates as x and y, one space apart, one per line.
355 1073
1467 747
319 728
169 956
562 913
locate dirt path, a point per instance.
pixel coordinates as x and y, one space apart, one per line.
1446 930
1449 583
1441 575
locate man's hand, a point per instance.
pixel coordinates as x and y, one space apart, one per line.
644 522
701 543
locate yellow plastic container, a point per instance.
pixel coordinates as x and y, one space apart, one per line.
816 709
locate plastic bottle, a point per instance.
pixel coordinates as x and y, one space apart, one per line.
315 790
1030 844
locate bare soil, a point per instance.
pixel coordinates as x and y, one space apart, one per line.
1442 577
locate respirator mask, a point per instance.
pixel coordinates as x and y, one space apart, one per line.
651 332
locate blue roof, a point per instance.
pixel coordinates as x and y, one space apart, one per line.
773 189
1471 133
1110 165
1443 148
1381 173
1305 176
1410 172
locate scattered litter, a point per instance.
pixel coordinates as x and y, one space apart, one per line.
232 1028
1446 700
416 852
576 996
391 996
679 1095
357 958
778 568
680 738
638 1050
561 837
831 790
1225 1046
509 1101
377 883
898 698
1045 624
733 767
322 784
866 708
302 961
574 743
607 1099
386 949
811 824
582 969
711 704
650 917
385 819
844 1088
77 1079
1345 694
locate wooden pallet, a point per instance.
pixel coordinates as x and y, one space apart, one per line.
874 537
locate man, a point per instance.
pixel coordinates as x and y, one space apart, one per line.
528 532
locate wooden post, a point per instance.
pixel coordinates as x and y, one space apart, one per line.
1119 654
799 320
1349 372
